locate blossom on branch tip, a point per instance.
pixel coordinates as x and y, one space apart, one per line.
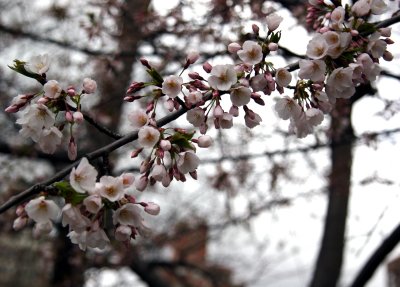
128 214
286 107
204 141
38 64
93 203
138 118
317 48
273 21
312 69
50 139
172 86
283 77
196 116
240 96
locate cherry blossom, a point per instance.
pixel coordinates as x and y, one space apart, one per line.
172 86
111 188
240 96
42 210
152 208
223 77
38 64
283 77
72 216
251 53
83 177
273 21
52 89
50 139
312 69
148 136
317 48
286 107
187 162
128 214
138 118
89 86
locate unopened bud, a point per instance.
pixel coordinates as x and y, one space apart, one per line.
192 57
43 100
204 141
12 109
218 111
165 145
207 67
145 63
78 117
20 222
72 149
234 111
152 208
387 56
234 47
255 28
123 233
273 46
69 117
141 184
135 153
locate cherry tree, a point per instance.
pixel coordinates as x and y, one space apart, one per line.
342 60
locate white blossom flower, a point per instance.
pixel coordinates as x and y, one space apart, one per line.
172 86
226 121
258 82
251 53
72 216
340 83
223 77
111 188
196 116
317 48
240 96
42 228
300 126
128 214
337 15
273 21
158 172
286 107
252 121
312 69
188 161
194 97
283 77
89 85
314 116
127 178
378 7
148 136
138 118
50 139
376 46
38 64
83 177
123 233
52 89
42 210
37 117
369 68
93 203
234 47
361 8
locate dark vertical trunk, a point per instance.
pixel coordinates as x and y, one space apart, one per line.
330 257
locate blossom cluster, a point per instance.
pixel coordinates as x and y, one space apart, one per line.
85 204
344 53
44 115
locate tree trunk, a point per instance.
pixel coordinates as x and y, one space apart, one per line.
330 257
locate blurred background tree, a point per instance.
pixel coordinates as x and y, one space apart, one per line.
219 231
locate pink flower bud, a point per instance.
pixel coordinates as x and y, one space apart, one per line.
145 63
192 57
234 47
71 91
354 33
43 100
123 233
20 210
12 109
234 111
152 208
169 105
386 32
273 47
89 86
255 28
165 145
78 117
69 117
135 153
141 184
218 111
195 76
204 141
72 149
20 222
207 67
387 56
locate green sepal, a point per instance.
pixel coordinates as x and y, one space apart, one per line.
70 195
366 28
19 67
275 37
155 76
182 140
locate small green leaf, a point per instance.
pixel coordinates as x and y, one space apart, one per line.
69 193
183 140
155 76
19 67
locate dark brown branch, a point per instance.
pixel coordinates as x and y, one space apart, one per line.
102 128
26 194
377 258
